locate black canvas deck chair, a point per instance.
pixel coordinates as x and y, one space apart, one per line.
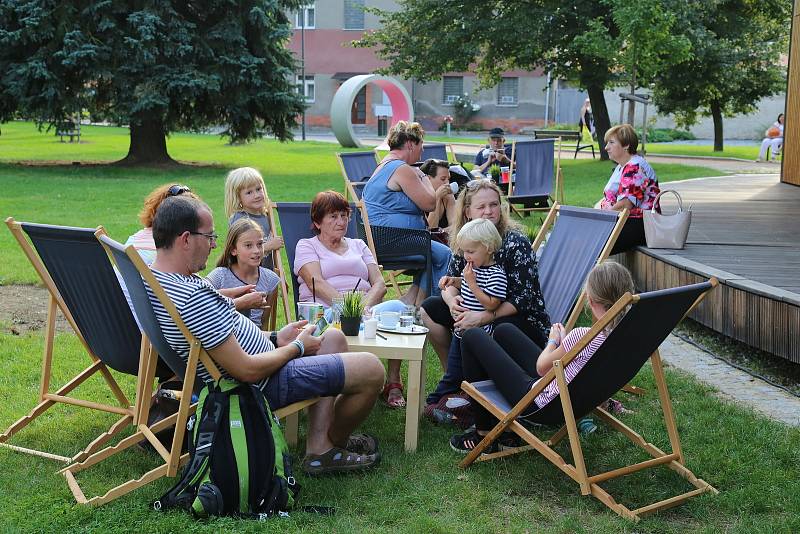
135 274
572 241
436 151
357 168
397 250
295 219
81 283
537 184
648 321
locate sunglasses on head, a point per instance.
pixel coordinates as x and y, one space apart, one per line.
478 182
177 189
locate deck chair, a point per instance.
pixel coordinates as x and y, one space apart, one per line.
435 151
649 319
295 219
579 239
357 168
536 184
81 283
396 249
135 274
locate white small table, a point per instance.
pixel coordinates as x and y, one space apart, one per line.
401 347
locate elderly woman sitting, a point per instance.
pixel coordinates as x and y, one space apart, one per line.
334 264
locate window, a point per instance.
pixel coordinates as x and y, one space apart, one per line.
306 88
307 12
353 14
453 87
508 92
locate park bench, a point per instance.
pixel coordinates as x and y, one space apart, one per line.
69 129
565 135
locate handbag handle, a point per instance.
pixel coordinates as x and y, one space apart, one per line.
657 201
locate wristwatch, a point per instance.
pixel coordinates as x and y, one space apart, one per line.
273 338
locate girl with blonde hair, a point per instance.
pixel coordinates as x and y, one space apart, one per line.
515 363
246 197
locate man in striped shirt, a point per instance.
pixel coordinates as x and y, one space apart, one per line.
289 365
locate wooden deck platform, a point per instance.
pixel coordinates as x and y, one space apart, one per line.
745 232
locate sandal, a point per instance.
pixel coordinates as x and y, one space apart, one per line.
395 402
362 444
338 460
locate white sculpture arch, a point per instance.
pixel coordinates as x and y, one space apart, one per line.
402 108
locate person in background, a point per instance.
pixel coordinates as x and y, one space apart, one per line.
773 141
438 172
246 197
586 119
633 185
142 240
497 152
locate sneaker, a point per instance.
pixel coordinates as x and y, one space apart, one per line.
586 426
464 443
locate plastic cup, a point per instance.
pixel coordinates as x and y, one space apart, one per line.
390 319
504 175
310 311
406 323
370 328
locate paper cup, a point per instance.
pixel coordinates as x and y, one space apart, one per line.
310 311
370 328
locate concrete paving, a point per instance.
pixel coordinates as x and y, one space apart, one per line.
732 383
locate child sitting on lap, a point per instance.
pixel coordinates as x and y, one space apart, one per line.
482 286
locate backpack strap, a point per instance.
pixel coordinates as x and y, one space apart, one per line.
182 494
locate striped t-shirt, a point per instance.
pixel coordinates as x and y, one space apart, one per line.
492 280
571 370
209 316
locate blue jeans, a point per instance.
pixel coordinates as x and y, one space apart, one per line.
451 381
440 261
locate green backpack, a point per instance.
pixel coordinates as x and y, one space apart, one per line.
239 461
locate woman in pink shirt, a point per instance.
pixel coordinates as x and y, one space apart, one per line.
336 263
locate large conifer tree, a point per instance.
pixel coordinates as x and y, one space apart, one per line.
156 65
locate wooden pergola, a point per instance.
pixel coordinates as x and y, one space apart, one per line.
790 171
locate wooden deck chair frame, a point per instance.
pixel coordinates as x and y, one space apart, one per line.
589 484
558 186
391 275
62 395
172 458
349 190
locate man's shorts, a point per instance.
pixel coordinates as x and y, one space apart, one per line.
305 378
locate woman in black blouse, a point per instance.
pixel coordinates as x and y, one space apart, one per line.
524 306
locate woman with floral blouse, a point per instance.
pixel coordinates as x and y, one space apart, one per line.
633 185
524 304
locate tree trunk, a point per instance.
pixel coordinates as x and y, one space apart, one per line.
716 113
600 112
148 142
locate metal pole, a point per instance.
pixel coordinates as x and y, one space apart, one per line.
303 68
547 103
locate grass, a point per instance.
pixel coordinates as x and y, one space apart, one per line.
423 492
93 194
747 152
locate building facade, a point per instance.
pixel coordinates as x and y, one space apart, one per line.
324 31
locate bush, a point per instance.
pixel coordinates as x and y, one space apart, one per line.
665 135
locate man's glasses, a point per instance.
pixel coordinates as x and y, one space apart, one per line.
177 189
212 237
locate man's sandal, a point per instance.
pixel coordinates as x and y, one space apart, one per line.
362 444
397 401
338 460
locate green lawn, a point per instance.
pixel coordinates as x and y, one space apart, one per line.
748 152
96 194
753 461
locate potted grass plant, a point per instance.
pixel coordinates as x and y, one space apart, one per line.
494 171
352 310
